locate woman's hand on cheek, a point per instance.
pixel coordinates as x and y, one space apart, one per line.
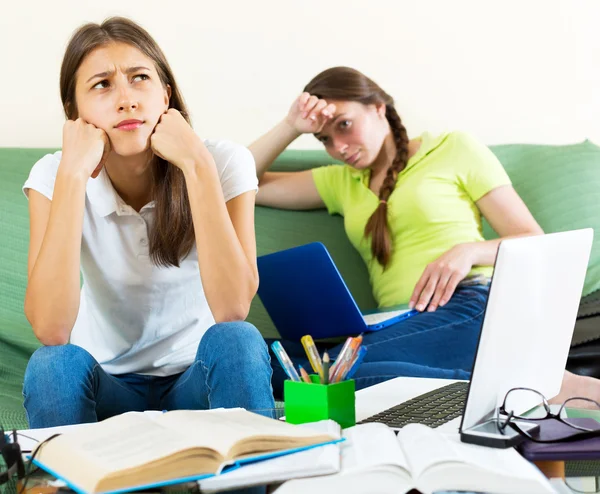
85 148
440 278
176 142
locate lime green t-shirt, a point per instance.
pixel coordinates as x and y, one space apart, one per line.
431 209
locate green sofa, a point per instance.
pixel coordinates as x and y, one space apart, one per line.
560 184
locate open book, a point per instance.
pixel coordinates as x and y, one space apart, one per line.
424 459
312 462
136 450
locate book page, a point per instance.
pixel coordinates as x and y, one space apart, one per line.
424 448
367 482
125 441
370 445
30 438
485 469
500 461
311 462
323 460
428 449
372 461
329 427
91 454
222 429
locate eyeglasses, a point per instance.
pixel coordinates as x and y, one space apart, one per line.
539 409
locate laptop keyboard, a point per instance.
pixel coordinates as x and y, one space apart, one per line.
433 408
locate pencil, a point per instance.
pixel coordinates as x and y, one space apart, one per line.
325 368
304 374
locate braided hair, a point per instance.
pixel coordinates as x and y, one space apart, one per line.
346 84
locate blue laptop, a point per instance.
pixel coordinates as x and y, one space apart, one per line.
304 293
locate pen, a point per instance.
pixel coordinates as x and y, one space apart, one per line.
356 363
285 361
338 360
347 359
304 374
354 347
325 377
313 354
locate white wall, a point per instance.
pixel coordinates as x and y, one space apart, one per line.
511 70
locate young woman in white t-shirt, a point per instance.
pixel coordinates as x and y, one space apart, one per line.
161 226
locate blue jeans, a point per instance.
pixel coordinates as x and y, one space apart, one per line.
65 385
438 344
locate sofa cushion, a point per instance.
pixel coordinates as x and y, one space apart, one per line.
561 187
17 342
559 184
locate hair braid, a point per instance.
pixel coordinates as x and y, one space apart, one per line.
347 84
378 226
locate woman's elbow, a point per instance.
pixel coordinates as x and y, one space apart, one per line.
237 310
232 313
53 340
533 231
49 333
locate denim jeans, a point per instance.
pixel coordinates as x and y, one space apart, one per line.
65 385
438 344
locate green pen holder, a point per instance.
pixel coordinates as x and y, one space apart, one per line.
311 402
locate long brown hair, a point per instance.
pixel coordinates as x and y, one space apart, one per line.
346 84
172 234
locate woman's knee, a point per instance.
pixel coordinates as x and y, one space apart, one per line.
60 363
237 342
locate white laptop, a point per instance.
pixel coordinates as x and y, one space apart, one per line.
525 337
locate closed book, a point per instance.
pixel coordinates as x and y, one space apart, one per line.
586 449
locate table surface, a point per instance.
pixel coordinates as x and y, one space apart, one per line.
375 399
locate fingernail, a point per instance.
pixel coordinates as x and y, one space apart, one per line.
326 113
431 308
420 307
313 118
411 305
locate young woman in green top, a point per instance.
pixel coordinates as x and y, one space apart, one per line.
412 209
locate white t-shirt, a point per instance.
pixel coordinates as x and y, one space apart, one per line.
135 316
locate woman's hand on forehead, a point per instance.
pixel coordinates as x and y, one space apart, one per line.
309 114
